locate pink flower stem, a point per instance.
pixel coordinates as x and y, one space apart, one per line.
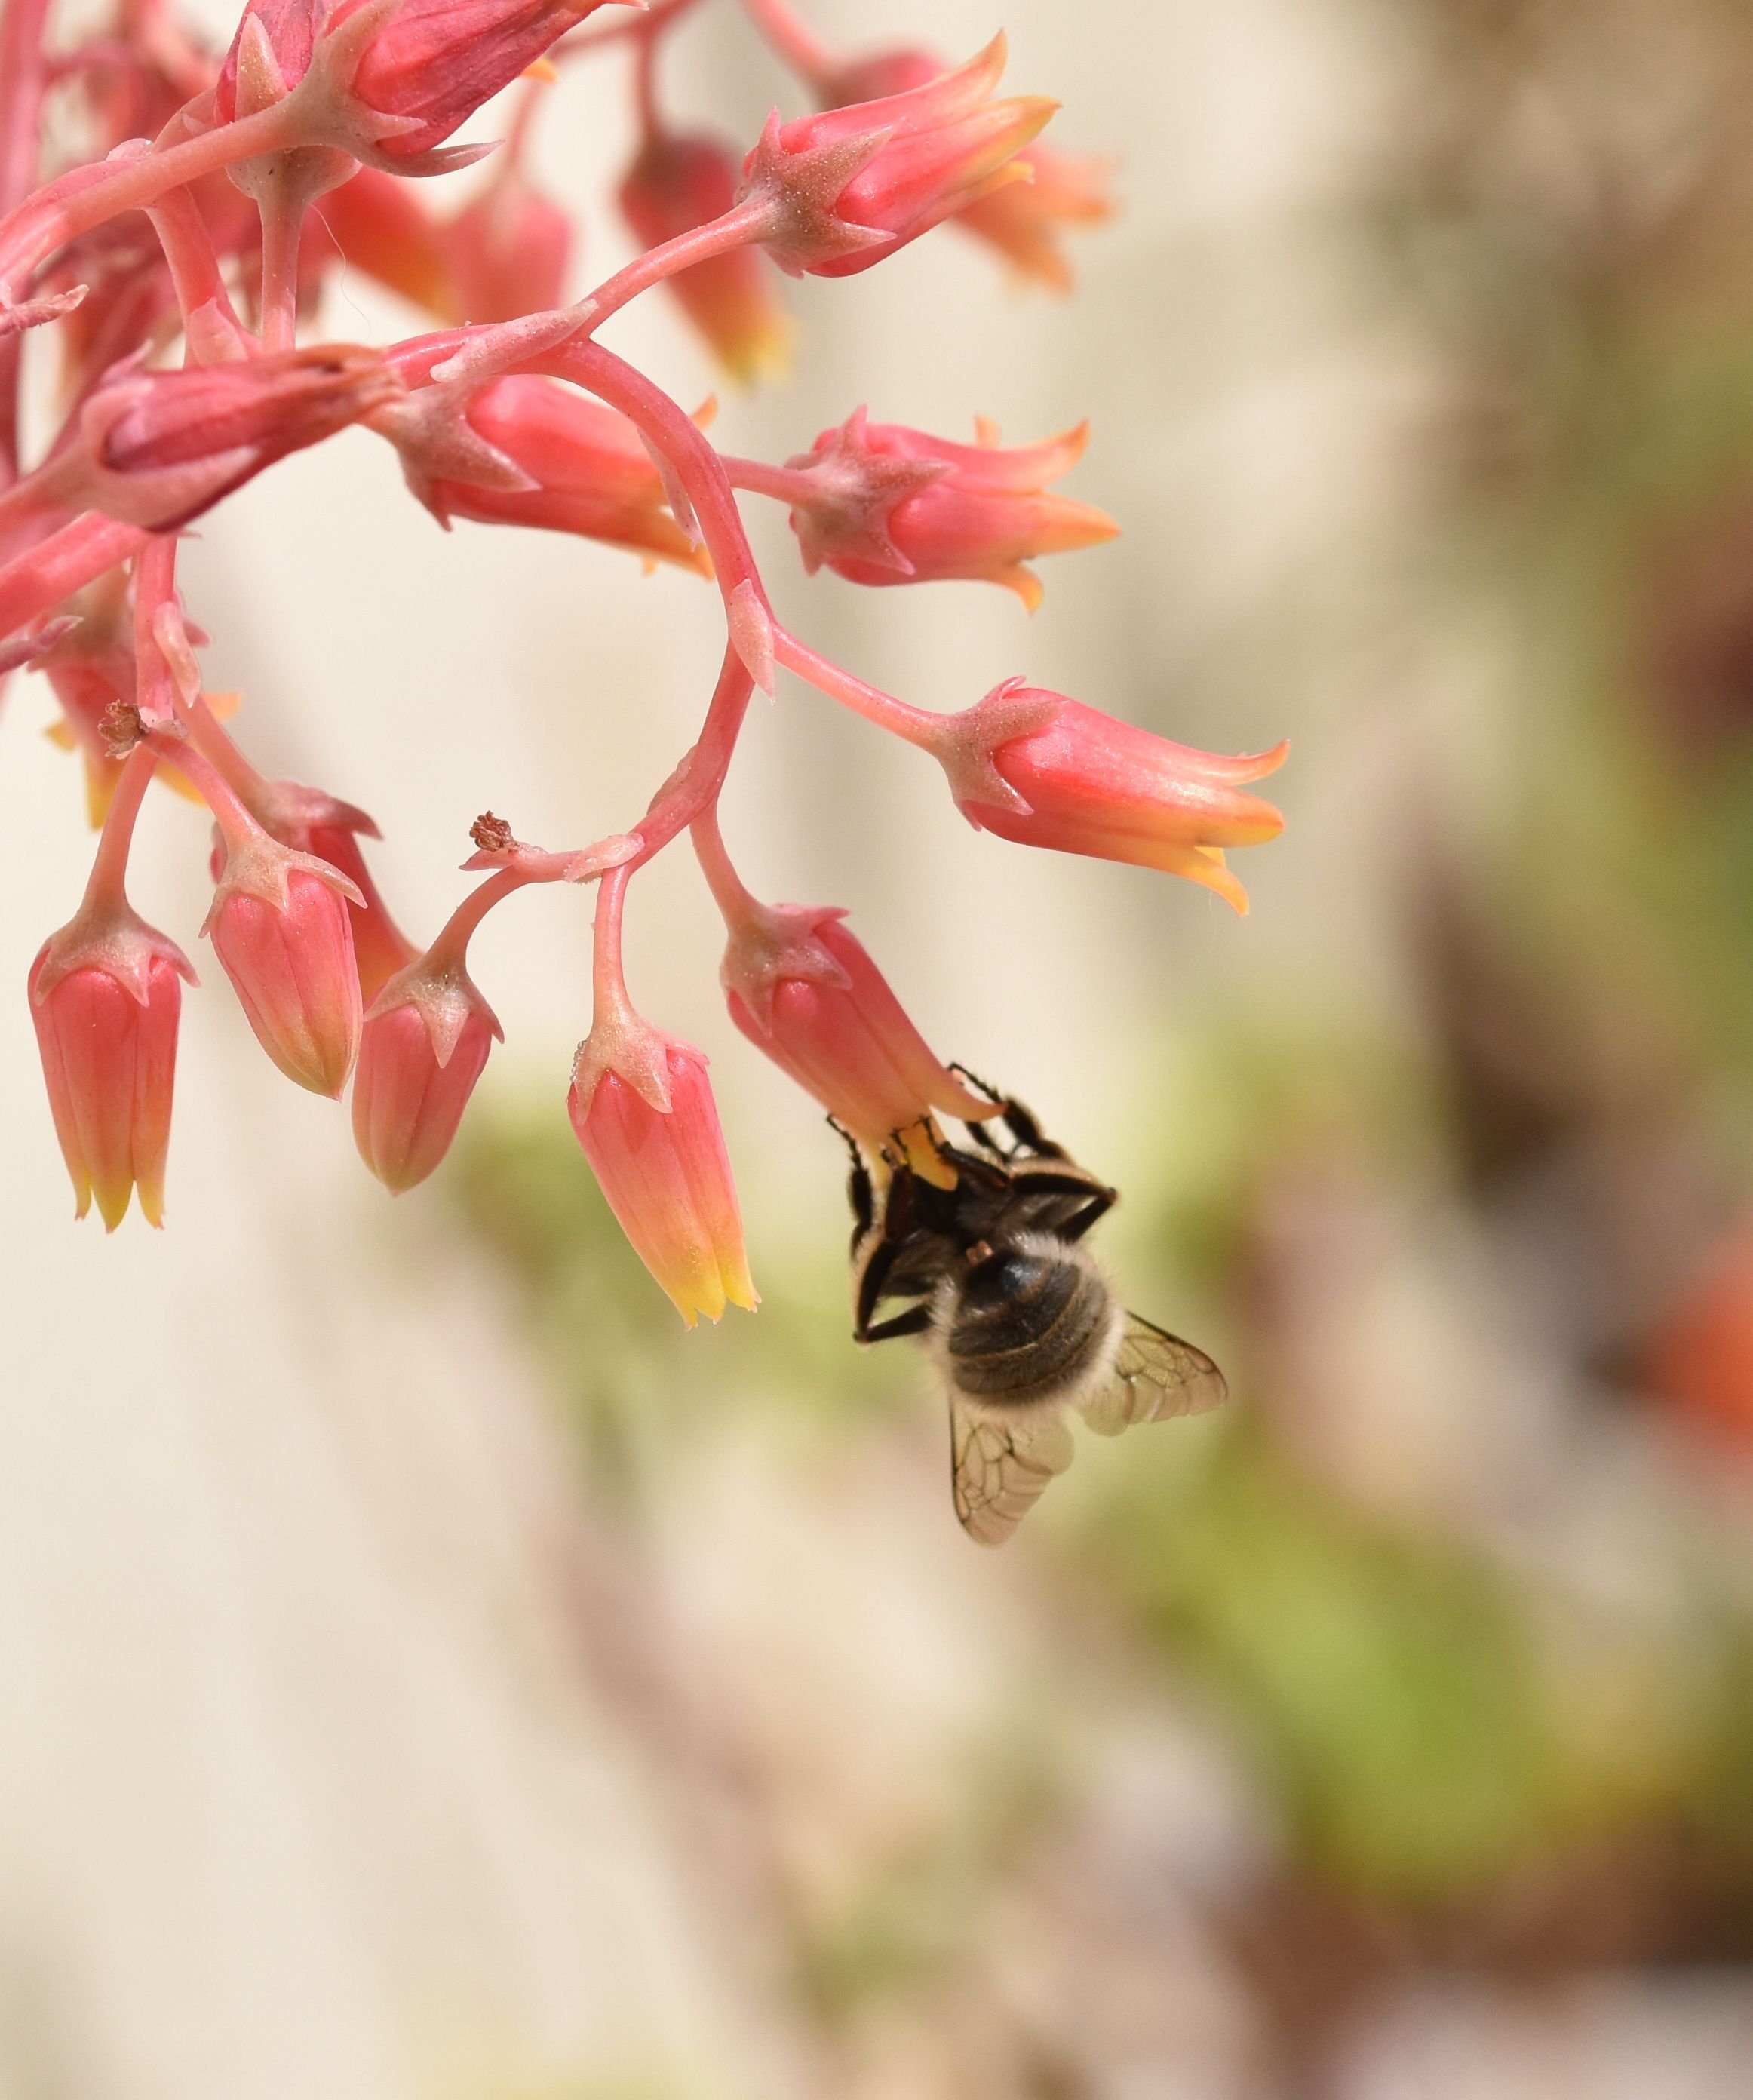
737 903
22 79
154 586
450 950
914 725
194 267
695 785
674 433
610 997
793 40
785 484
86 198
36 582
229 813
742 224
282 226
106 887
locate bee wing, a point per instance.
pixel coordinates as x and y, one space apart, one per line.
1000 1469
1155 1377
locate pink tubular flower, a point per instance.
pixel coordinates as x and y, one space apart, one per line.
800 988
424 1046
848 187
895 507
160 446
526 450
425 66
381 227
1021 220
279 925
650 1128
106 998
1045 771
507 250
675 184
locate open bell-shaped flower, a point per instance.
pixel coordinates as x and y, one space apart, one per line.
805 991
846 186
106 997
279 925
889 505
643 1108
1045 771
424 1045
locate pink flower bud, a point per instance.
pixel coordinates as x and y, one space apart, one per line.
1045 771
105 997
424 1046
162 447
279 925
804 990
508 250
426 65
1020 218
850 186
645 1115
526 450
895 507
678 183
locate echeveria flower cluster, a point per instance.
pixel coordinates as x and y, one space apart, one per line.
175 265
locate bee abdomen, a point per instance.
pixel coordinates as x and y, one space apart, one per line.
1026 1326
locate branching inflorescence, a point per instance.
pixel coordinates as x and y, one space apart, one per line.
174 265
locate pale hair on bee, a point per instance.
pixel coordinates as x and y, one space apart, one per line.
982 1246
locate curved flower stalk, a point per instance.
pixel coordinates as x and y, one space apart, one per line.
178 267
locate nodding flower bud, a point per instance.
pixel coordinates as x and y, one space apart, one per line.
803 989
106 998
526 450
381 227
678 183
508 250
403 77
1045 771
279 925
160 448
847 187
892 505
644 1113
424 1046
1020 219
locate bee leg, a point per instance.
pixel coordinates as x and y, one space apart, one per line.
859 1193
980 1086
914 1321
1098 1206
1028 1133
979 1134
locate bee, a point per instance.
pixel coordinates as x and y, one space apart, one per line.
1023 1327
